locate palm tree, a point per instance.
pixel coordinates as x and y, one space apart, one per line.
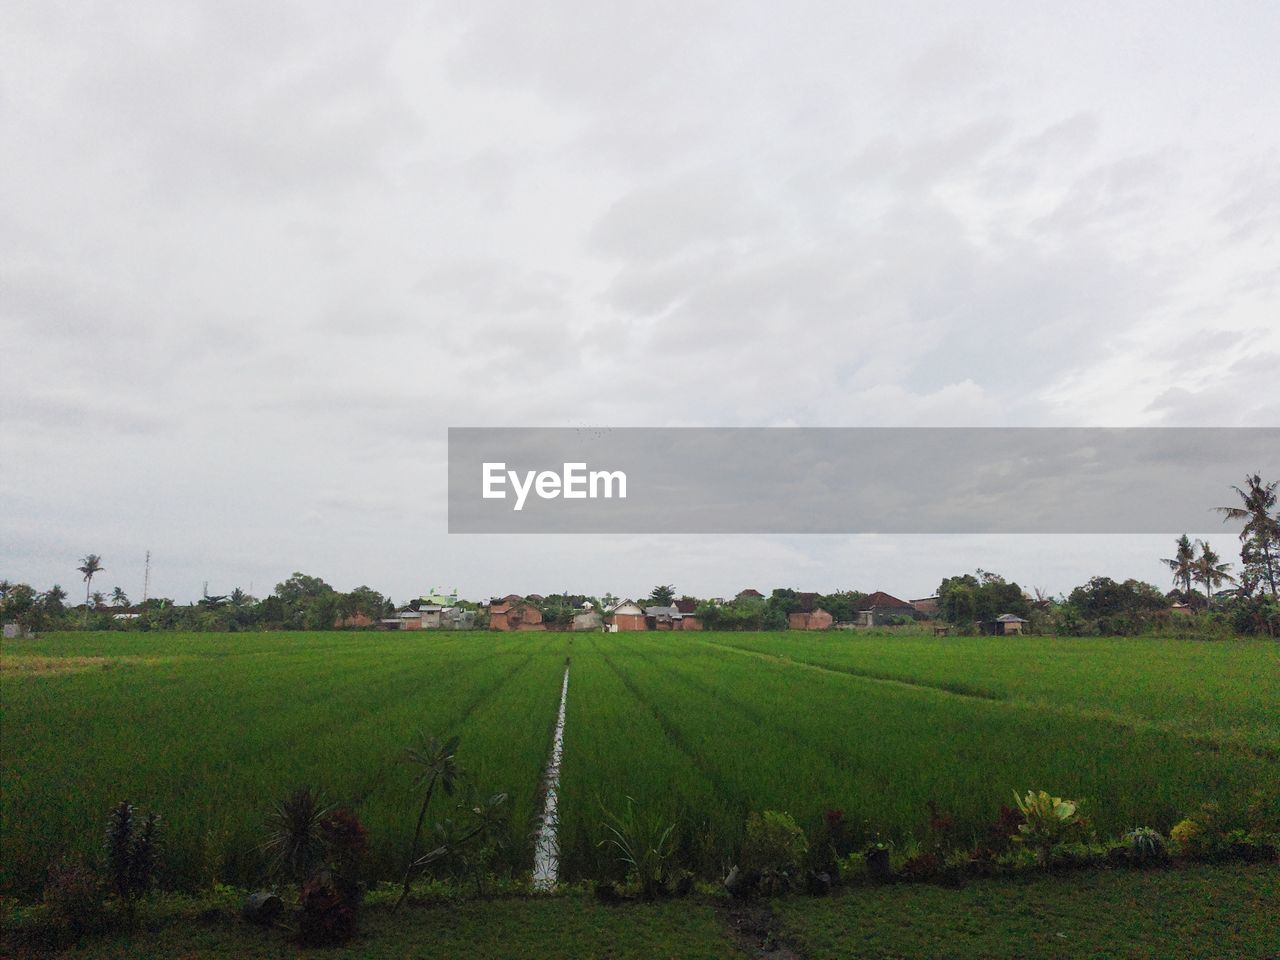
1182 564
118 598
1211 571
89 566
438 766
99 599
1260 526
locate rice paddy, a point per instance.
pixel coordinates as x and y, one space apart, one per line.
209 729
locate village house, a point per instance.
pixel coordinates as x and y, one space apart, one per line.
879 608
815 619
663 618
514 613
1005 625
626 616
587 618
927 605
687 607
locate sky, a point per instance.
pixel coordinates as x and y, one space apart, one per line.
256 258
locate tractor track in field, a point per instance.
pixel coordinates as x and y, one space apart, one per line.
673 734
954 689
482 697
761 718
1101 715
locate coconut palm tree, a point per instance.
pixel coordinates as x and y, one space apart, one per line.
118 598
1258 499
1182 564
90 565
1211 571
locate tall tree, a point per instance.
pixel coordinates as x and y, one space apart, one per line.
662 595
1182 563
1261 529
89 566
118 598
1211 571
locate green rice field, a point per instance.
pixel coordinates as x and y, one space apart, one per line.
209 729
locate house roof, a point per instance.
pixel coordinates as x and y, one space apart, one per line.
1010 618
882 599
750 592
672 611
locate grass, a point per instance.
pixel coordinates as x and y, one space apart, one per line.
1200 911
209 729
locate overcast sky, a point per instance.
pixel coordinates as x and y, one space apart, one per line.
256 258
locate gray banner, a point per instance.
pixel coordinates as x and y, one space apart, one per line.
850 480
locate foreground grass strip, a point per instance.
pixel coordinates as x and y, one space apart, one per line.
1195 912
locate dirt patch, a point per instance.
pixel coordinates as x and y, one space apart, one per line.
756 930
33 665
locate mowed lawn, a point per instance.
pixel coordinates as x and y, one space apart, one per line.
208 730
1197 912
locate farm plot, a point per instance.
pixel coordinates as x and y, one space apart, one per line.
208 731
1221 693
771 733
700 729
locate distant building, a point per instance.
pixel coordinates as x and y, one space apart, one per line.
626 616
879 608
749 594
927 605
816 619
587 617
1005 625
517 614
16 631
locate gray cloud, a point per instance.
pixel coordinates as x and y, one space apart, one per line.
257 257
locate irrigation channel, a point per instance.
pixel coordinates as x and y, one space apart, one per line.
546 850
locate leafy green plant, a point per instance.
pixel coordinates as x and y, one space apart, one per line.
775 848
295 841
643 841
1047 822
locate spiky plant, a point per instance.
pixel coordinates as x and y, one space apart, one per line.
1146 845
133 851
295 838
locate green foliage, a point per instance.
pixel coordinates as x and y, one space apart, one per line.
132 851
1047 822
971 598
1106 608
642 841
662 595
775 848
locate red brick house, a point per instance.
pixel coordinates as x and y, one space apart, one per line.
816 619
624 617
514 613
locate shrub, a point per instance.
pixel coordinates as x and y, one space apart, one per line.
1145 845
328 916
775 848
643 842
1186 832
73 896
294 838
133 851
1047 822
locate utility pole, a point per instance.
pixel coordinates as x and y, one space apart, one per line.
146 579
